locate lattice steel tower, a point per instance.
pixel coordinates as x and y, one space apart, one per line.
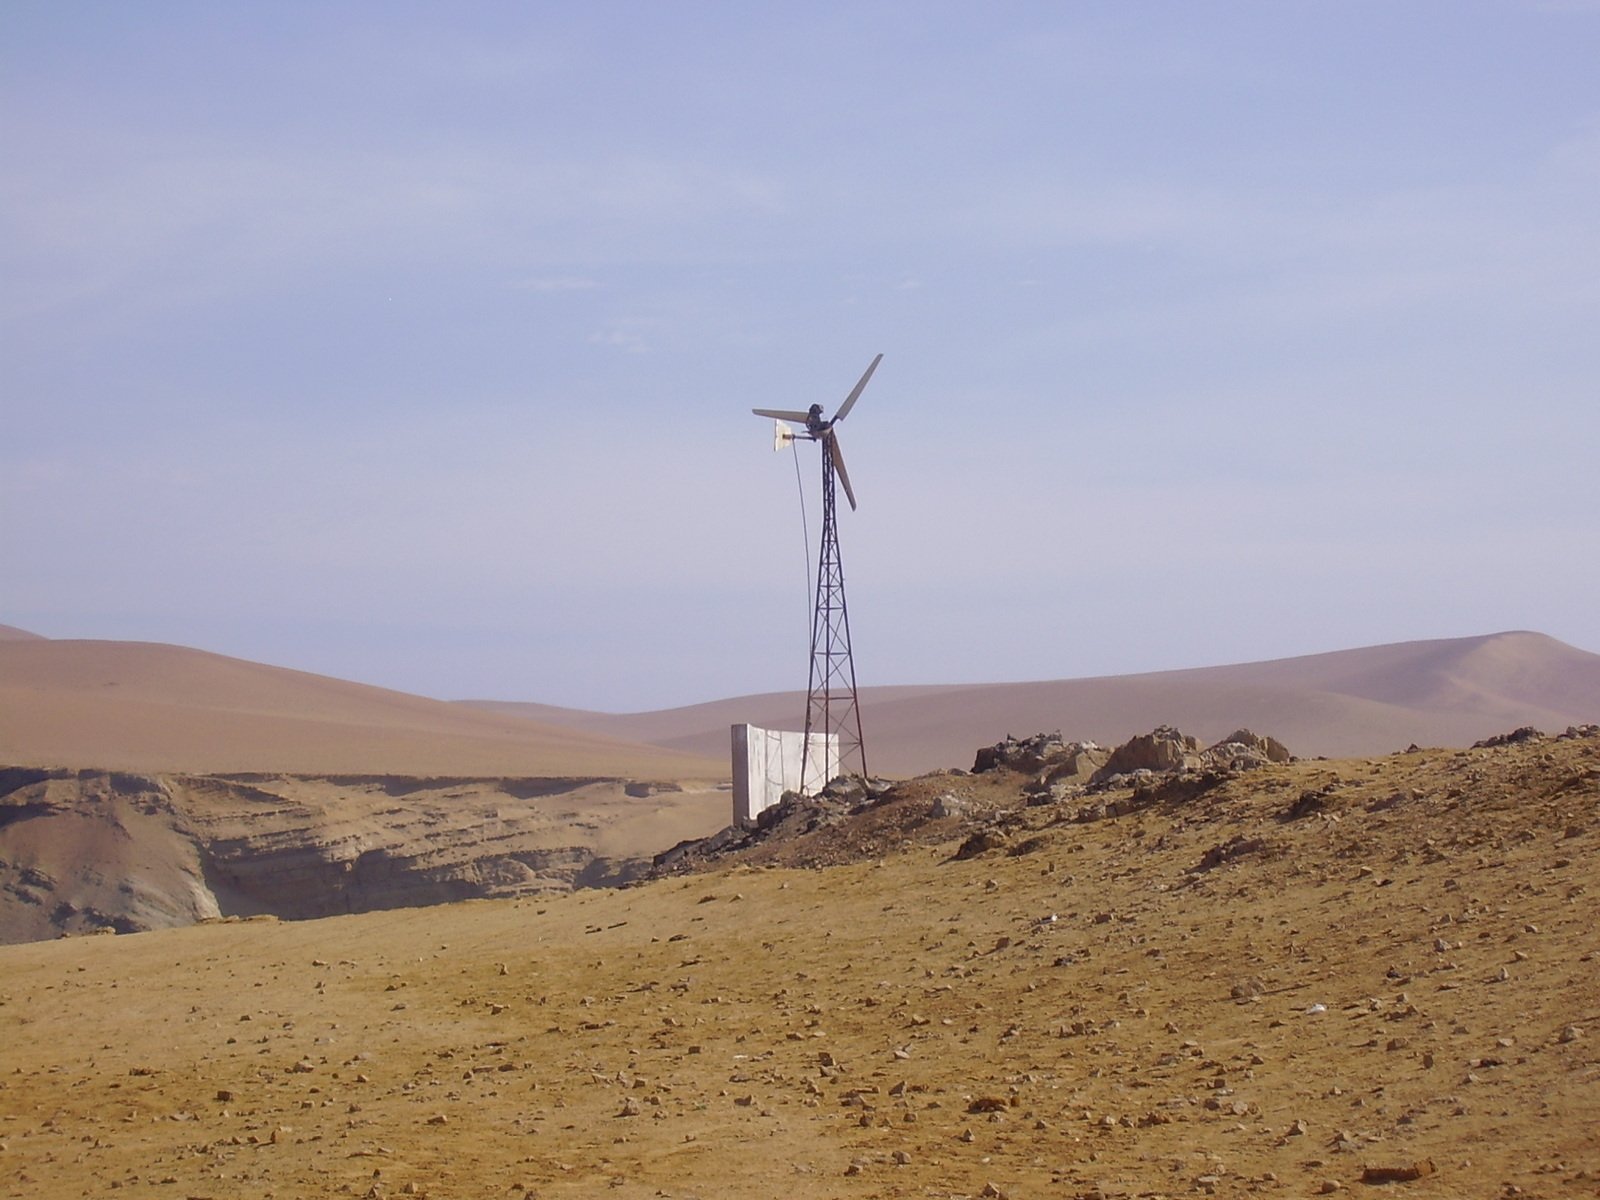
832 706
831 703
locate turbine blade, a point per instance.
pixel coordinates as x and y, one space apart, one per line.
838 466
855 395
782 414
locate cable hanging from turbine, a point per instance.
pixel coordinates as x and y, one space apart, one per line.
805 524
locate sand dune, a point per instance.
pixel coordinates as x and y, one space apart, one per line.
1448 692
146 707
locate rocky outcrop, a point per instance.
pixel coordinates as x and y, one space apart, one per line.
1073 781
1049 755
1057 762
1243 749
796 816
1163 749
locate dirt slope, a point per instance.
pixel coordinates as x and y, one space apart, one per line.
1368 701
1229 992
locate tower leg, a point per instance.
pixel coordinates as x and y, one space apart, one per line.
832 707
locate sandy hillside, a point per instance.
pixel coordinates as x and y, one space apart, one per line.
1374 976
145 707
148 786
1367 701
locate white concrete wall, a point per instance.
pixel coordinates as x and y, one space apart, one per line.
766 763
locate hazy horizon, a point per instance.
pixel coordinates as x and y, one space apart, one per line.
417 347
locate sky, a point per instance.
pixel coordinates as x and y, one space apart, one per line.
416 344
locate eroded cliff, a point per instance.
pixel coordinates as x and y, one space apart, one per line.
82 851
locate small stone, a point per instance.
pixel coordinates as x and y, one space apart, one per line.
1248 989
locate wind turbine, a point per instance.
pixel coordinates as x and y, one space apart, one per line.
832 707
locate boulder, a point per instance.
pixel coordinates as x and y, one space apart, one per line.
1242 744
1076 763
1516 737
948 804
1018 754
1163 749
1047 754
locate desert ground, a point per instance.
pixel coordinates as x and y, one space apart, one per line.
1376 975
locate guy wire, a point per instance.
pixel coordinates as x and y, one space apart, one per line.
805 526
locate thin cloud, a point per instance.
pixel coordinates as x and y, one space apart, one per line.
554 283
